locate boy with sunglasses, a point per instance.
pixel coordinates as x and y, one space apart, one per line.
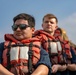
21 54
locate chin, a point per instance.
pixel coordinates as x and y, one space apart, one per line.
19 38
49 30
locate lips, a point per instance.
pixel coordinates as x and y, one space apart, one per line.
18 34
49 27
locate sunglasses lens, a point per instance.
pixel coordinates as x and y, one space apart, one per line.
14 27
23 26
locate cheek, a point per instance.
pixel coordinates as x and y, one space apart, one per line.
14 33
27 32
54 27
44 25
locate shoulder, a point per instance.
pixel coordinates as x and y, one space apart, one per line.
1 50
2 46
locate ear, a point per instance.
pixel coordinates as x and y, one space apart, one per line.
42 25
56 27
33 30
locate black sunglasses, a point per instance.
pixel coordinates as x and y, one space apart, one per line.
21 26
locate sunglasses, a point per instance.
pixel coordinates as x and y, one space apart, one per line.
21 26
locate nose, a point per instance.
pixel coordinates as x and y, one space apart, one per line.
18 28
49 23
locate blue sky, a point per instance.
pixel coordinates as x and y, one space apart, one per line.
64 10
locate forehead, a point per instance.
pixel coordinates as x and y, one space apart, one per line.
49 19
21 21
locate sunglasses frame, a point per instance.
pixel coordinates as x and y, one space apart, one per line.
21 26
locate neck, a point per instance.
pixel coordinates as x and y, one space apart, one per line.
51 33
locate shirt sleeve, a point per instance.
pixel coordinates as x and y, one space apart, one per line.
73 56
44 59
1 51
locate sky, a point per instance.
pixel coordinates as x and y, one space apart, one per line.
64 10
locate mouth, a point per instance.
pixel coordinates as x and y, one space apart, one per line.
18 34
48 27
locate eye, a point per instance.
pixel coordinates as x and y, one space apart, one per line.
14 27
46 22
52 22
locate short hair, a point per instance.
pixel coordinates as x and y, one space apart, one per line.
50 16
29 18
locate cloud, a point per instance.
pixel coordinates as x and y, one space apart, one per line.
69 24
70 20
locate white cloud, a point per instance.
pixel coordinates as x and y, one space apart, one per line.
69 24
